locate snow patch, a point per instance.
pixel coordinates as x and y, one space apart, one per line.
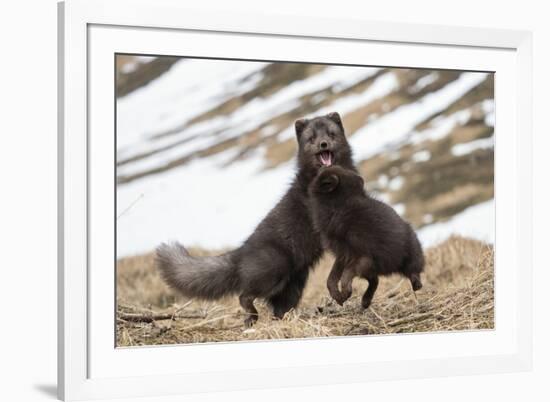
423 82
268 130
383 180
488 106
396 183
469 147
399 208
421 156
477 222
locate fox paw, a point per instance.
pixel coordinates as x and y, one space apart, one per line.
365 304
250 321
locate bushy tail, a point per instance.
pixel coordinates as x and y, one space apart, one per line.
197 277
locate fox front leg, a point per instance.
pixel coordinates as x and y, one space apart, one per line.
333 279
347 279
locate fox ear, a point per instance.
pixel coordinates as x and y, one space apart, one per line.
328 183
335 117
300 125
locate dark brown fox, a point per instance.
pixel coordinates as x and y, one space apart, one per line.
368 237
274 262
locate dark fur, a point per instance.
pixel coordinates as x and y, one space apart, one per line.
274 262
368 237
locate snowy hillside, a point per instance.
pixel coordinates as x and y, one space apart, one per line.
206 148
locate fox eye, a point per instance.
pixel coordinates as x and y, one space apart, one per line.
331 134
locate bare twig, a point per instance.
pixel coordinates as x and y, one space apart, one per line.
411 318
200 324
150 317
130 206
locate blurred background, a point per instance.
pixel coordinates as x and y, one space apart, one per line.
205 148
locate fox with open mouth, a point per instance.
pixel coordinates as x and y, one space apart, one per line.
322 143
274 262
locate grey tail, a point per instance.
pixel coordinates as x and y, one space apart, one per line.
197 277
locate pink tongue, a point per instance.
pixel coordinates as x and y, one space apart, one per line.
326 158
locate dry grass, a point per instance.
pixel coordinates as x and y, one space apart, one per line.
457 295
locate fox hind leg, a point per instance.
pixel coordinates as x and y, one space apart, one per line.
369 293
289 296
347 279
247 303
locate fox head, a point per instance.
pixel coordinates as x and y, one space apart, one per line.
322 142
336 180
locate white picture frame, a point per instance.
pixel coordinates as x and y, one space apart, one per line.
89 365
